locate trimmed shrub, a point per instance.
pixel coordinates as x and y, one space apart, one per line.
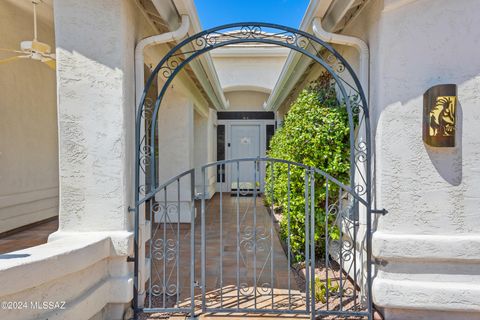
315 132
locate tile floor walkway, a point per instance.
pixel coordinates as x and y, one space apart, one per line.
225 270
32 236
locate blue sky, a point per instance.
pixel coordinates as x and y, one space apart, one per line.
213 13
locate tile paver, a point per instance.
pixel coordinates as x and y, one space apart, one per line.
33 236
221 271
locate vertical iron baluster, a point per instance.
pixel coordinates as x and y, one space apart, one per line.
150 242
238 234
272 265
307 251
340 215
178 240
368 231
312 241
221 242
327 264
165 248
288 239
192 244
255 233
354 245
203 248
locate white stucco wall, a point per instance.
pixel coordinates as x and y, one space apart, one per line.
428 244
80 276
95 42
204 147
176 152
246 100
95 94
28 123
85 261
175 135
235 66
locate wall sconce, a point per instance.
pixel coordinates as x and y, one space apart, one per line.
439 108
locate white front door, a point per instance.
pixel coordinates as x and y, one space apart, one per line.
244 143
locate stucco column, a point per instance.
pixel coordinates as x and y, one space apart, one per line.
175 149
95 100
204 151
95 92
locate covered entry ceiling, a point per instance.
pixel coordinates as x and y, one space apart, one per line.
248 72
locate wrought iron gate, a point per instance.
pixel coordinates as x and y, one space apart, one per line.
229 258
238 263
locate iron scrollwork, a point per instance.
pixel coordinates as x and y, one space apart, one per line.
187 50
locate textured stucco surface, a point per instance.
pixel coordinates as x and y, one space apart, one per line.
427 245
95 90
95 43
84 273
28 123
235 71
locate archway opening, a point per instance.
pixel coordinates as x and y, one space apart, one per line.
167 203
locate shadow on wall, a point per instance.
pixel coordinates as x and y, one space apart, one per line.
448 161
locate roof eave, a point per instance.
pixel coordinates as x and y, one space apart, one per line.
204 69
297 63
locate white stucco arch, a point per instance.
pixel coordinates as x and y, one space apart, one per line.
236 64
253 88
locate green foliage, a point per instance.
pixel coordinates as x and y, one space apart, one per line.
321 289
315 132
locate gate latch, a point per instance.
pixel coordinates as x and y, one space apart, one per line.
380 211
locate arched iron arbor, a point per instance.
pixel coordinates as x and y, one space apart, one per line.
357 194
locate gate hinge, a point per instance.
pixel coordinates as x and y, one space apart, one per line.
130 259
382 211
130 209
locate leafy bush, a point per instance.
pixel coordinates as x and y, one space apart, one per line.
315 132
322 287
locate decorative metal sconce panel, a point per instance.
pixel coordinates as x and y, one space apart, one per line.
439 108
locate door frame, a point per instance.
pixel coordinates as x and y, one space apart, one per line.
227 185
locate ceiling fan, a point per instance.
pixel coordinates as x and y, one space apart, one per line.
33 49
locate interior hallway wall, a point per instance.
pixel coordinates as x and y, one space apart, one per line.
28 122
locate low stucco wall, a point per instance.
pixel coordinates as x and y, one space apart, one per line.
73 276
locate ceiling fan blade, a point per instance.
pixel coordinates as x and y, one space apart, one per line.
7 60
47 55
10 50
50 63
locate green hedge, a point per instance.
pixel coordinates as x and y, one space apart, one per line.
315 132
